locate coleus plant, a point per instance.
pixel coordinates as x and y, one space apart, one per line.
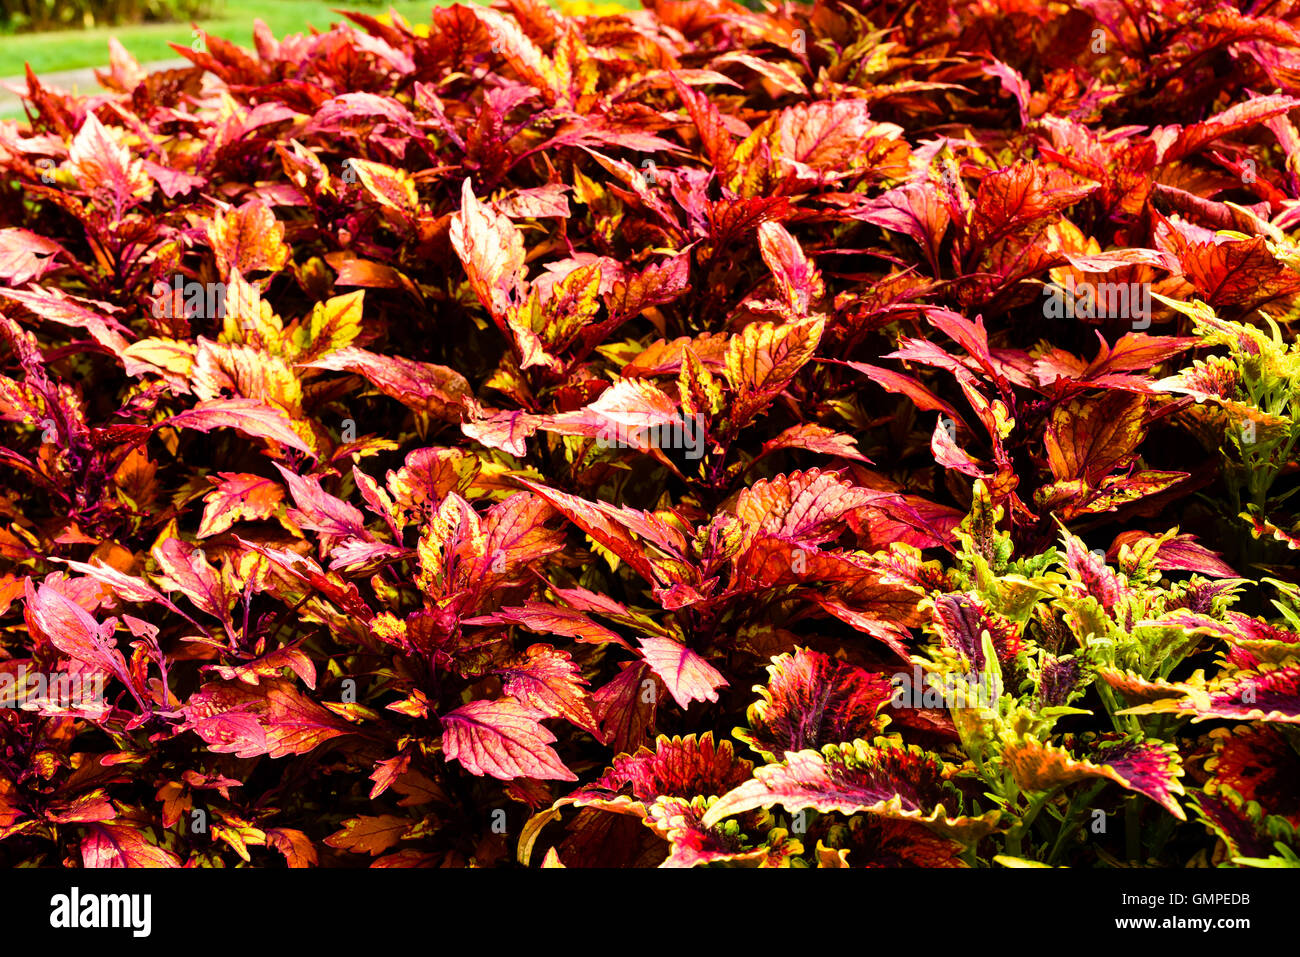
422 438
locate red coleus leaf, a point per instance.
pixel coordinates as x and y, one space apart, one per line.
882 842
613 528
1016 197
762 360
502 739
825 136
962 620
816 438
1238 117
805 508
1230 823
72 630
321 512
1091 573
1149 768
897 783
677 767
550 620
914 209
1256 764
422 386
186 569
812 700
75 312
1232 272
1270 694
26 256
104 166
1180 553
625 707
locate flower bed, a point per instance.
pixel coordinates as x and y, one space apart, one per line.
843 435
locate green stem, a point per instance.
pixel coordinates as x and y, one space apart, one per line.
1069 826
1036 803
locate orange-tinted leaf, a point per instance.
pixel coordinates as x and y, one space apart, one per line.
119 845
370 835
238 496
248 239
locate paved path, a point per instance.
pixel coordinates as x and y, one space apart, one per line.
71 81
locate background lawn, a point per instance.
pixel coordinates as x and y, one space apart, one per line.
231 20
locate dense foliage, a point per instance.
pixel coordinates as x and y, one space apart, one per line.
860 434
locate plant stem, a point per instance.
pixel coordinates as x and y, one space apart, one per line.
1133 830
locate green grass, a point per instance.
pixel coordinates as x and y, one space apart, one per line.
232 20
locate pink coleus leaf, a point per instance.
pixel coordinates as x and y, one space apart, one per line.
502 739
246 415
73 630
25 255
421 386
687 676
1180 553
546 679
186 569
1271 694
611 527
271 718
551 620
800 283
104 166
492 251
803 508
1091 573
321 512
